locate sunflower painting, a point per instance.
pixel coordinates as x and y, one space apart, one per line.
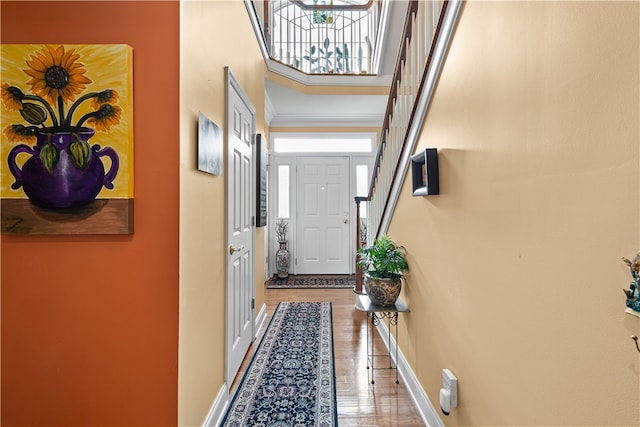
66 123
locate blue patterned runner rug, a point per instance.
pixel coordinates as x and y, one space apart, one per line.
291 378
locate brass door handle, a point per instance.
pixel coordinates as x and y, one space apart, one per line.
232 249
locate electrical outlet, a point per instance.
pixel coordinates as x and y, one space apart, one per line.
450 382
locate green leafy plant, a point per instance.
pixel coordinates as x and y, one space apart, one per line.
383 259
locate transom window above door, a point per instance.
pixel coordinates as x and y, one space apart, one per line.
326 143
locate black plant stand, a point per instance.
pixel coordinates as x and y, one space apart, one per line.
377 313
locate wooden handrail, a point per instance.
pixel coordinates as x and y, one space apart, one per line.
393 95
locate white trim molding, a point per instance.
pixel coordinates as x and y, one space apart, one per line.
315 120
260 319
326 79
428 412
220 404
218 408
269 109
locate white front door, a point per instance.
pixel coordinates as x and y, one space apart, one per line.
240 230
322 238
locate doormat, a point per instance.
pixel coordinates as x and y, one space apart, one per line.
291 378
313 281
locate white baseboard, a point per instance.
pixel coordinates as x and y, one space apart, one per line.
219 406
260 319
214 417
428 412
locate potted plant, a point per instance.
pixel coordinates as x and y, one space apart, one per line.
384 265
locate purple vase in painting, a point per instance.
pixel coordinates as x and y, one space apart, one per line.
61 183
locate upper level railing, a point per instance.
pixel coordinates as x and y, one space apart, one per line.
323 36
427 34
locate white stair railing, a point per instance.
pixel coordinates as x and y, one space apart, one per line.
428 30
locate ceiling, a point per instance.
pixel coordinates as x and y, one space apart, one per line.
286 107
292 108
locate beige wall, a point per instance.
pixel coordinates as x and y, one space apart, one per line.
515 281
515 274
214 34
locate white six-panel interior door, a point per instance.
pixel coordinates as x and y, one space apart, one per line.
240 230
322 237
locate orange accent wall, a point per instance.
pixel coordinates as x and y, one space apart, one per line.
90 323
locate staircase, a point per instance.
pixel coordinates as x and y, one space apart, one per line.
427 33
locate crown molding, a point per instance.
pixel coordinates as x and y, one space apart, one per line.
314 120
269 109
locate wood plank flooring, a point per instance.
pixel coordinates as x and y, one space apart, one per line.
360 403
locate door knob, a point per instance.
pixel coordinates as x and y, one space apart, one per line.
345 220
232 249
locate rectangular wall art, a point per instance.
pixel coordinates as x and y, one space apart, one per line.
424 173
67 139
209 146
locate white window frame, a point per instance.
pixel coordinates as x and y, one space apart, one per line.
326 136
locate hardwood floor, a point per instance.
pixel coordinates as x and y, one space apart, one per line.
360 403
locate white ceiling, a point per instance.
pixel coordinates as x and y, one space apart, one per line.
292 108
288 107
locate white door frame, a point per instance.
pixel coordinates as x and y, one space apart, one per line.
276 159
